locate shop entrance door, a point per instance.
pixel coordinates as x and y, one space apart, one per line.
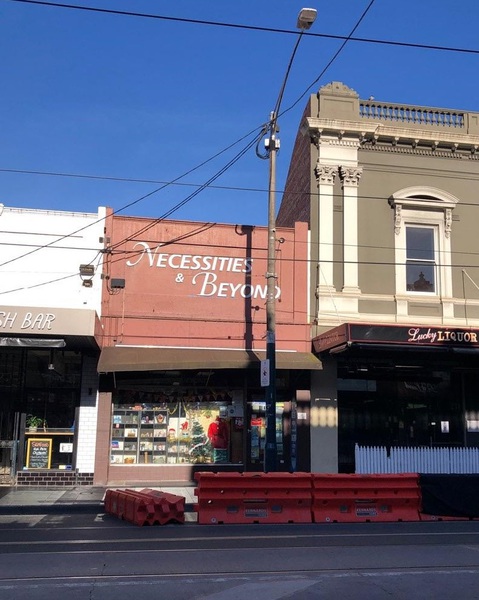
256 438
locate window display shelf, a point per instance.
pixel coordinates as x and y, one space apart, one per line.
147 437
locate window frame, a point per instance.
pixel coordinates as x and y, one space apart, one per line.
433 262
430 208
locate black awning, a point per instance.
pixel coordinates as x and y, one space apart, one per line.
118 358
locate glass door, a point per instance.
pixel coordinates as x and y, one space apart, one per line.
256 438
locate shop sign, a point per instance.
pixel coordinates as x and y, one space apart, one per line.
26 320
414 335
265 373
212 275
39 452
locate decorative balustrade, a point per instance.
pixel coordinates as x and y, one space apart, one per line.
411 115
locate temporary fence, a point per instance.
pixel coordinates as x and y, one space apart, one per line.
365 498
277 498
253 498
379 459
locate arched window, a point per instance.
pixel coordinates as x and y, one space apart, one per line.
423 225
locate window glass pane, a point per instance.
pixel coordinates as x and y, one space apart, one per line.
420 277
172 432
420 243
420 259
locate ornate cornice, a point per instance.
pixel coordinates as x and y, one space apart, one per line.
371 134
419 151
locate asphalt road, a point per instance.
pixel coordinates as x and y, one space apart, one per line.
97 557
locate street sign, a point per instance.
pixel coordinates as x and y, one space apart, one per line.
265 373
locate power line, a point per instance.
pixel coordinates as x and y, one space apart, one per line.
370 263
249 145
152 223
218 174
125 13
202 187
230 188
334 57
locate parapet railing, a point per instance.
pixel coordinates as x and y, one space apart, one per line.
411 115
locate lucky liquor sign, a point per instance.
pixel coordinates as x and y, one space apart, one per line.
410 336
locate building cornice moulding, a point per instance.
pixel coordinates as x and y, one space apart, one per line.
375 132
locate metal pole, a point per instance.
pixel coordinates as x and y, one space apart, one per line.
306 18
270 454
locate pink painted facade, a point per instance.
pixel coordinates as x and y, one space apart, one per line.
194 285
184 324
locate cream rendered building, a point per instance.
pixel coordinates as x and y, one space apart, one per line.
390 194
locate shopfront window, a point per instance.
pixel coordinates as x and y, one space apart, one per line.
172 431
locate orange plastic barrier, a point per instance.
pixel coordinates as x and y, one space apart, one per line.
365 498
253 498
110 501
146 507
168 507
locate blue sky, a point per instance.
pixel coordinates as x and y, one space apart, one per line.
127 103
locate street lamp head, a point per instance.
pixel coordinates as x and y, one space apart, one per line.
306 17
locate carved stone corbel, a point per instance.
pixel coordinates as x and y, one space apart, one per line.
448 222
397 219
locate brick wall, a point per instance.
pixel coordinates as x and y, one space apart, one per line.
295 204
53 478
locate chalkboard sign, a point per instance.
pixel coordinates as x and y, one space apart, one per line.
39 453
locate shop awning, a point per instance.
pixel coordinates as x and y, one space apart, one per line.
116 359
370 336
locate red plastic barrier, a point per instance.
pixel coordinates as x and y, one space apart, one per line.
136 508
168 507
111 502
253 498
365 498
146 507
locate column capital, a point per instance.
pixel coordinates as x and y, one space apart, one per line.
325 173
350 175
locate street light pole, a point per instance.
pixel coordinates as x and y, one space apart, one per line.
306 18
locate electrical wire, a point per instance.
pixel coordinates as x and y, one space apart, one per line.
442 174
202 187
192 195
152 223
137 200
334 57
125 13
180 204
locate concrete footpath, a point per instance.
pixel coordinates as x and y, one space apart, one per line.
86 499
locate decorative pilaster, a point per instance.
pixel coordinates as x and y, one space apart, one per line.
350 177
325 175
